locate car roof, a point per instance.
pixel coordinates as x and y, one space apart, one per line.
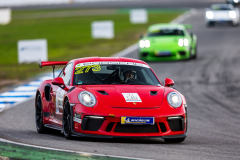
166 25
107 59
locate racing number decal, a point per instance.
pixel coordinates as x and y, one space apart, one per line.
79 70
96 68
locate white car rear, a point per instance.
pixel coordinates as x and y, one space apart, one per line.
222 14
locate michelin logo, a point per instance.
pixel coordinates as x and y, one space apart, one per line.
130 120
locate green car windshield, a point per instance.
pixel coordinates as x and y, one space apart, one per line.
119 73
166 32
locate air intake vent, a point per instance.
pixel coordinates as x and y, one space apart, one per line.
153 93
136 128
103 92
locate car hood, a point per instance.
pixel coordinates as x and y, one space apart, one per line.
163 39
119 96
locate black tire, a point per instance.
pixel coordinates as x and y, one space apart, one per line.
67 120
236 25
195 55
39 115
210 24
174 140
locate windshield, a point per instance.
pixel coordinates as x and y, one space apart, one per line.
217 7
166 32
118 73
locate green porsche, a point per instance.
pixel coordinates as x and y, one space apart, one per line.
168 42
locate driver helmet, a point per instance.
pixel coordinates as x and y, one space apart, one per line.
128 75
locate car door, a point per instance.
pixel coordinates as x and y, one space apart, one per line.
59 92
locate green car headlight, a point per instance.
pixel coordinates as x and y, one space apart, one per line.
183 42
144 44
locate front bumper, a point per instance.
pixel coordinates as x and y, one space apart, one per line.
180 53
111 127
228 21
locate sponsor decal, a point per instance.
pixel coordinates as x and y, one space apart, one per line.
137 120
77 120
131 97
106 63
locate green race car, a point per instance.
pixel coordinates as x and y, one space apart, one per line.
168 42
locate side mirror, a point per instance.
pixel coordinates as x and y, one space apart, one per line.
58 81
169 82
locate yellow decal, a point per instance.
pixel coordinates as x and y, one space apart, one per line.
123 120
79 70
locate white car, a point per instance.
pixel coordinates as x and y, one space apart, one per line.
222 14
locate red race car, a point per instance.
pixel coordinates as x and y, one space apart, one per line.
110 97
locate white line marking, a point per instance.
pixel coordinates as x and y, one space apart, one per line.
126 51
64 150
46 78
35 83
2 106
18 94
15 99
26 88
184 16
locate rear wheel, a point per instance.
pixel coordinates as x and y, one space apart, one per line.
39 115
67 120
174 140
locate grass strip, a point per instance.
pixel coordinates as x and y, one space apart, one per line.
68 38
13 151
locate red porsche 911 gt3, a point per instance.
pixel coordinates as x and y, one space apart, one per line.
110 97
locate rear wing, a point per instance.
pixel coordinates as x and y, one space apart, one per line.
51 63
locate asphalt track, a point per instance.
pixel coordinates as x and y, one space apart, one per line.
211 85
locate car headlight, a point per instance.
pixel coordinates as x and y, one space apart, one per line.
87 99
235 1
232 14
209 15
183 42
144 44
174 99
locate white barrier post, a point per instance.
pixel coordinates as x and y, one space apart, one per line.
32 50
138 16
102 29
5 16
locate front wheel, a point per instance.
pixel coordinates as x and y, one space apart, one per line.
67 120
174 140
210 24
